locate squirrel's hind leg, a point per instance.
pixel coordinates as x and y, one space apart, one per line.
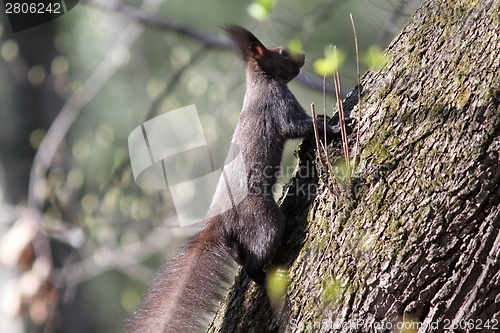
260 238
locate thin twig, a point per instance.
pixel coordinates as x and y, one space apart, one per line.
343 129
316 135
324 109
359 96
342 120
330 168
321 149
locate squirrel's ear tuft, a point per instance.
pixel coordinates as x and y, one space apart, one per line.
245 42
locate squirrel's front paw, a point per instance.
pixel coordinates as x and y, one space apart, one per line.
321 118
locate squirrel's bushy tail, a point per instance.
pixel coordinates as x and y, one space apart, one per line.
186 292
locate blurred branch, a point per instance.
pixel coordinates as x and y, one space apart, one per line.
172 83
11 213
126 258
208 40
324 11
390 29
63 122
162 23
65 119
316 84
174 80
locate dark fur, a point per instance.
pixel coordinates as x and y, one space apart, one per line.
184 295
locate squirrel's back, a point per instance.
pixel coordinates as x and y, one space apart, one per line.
269 107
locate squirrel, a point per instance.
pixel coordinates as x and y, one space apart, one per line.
187 290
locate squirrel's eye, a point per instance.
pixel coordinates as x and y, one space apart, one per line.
284 53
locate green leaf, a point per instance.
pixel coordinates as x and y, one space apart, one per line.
277 282
332 290
258 12
295 47
331 63
267 4
375 58
261 9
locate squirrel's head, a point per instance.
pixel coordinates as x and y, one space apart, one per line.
275 62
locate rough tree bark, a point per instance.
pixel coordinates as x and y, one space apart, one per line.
414 238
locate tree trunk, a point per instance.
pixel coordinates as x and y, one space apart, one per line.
414 239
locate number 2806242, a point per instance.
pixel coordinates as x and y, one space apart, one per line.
32 8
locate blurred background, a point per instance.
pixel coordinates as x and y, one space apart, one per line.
79 240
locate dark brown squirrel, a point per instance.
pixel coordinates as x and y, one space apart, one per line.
186 292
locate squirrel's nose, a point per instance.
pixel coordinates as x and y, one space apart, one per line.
301 59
